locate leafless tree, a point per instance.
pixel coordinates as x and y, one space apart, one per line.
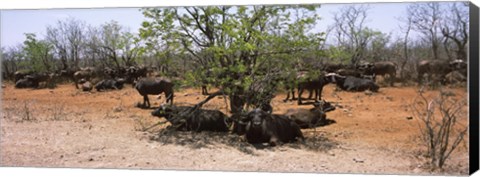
68 38
112 43
455 29
405 44
350 32
11 58
426 19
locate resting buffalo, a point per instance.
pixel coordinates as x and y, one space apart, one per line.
86 85
311 118
21 74
349 72
455 77
190 119
43 77
108 84
82 74
154 86
332 67
25 83
438 68
33 80
263 127
380 68
350 83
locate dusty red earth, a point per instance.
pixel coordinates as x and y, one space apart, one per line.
64 127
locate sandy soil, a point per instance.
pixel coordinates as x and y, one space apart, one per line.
63 127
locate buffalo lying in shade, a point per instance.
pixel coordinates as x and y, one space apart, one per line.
185 118
274 129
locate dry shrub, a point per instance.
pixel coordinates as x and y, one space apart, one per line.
58 111
27 112
440 131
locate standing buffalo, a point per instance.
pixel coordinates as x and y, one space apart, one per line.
154 86
304 83
438 69
191 119
380 68
110 72
134 73
263 127
205 81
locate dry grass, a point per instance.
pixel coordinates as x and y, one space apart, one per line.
372 134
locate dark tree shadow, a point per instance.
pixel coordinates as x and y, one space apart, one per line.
205 139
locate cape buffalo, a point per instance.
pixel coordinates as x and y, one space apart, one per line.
380 68
350 83
190 119
82 74
154 86
86 85
438 68
311 118
315 84
25 83
107 84
21 74
263 127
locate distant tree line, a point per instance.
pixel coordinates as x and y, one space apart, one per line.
241 40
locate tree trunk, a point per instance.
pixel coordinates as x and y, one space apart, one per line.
236 103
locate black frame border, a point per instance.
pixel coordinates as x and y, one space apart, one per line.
473 89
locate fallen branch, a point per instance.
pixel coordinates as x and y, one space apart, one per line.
154 125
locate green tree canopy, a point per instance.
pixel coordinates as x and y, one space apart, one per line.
240 44
38 53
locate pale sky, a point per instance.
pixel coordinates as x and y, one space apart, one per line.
14 23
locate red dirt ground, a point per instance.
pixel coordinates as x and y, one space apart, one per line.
64 127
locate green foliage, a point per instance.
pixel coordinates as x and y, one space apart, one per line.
239 44
338 54
38 53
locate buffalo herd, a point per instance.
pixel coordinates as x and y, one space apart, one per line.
260 125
